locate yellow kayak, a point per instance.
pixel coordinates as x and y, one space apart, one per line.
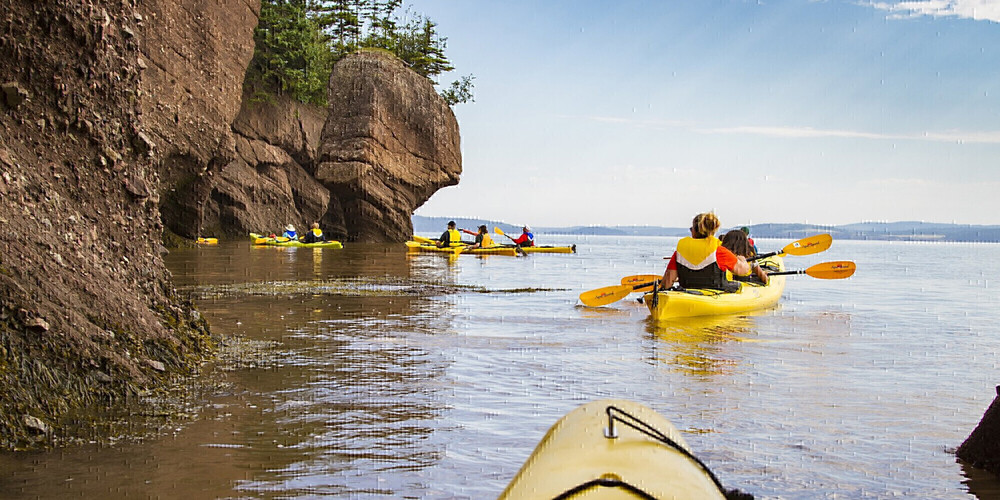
546 249
279 241
576 459
414 246
208 241
698 302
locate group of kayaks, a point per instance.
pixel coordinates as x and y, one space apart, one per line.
421 244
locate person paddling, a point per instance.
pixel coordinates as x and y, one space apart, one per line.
290 233
450 237
701 261
738 243
483 238
527 239
314 235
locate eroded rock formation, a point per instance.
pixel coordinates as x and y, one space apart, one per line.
390 141
87 311
194 57
982 447
270 183
114 113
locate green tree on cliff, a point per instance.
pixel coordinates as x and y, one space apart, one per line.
297 42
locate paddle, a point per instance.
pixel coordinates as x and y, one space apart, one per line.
646 279
835 270
606 295
516 245
805 246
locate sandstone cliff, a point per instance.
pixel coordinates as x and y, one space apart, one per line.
270 182
982 448
117 118
389 143
87 311
194 56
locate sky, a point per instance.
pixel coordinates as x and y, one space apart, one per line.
631 112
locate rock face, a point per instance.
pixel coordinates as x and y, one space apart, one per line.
87 311
388 144
982 447
115 113
270 184
194 56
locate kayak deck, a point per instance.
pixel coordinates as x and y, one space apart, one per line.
262 240
576 459
697 302
414 246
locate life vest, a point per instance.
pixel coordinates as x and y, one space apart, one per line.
290 235
696 265
318 233
525 240
487 241
454 238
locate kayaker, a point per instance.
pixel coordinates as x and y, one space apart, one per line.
314 235
738 243
290 233
450 237
527 239
701 261
483 238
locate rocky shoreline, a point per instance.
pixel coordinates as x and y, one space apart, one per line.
124 122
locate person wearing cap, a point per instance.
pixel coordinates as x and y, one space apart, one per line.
450 237
290 233
527 239
483 239
753 246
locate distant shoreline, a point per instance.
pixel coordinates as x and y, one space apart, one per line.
878 231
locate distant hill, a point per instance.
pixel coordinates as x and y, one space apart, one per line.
886 231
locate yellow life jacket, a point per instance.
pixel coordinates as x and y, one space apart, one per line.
317 233
697 267
487 241
454 238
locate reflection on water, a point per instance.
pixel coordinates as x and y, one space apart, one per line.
398 375
695 346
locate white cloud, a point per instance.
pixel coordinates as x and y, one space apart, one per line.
980 10
953 136
988 137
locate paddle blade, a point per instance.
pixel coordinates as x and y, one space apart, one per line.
808 246
647 280
835 270
605 296
421 239
498 231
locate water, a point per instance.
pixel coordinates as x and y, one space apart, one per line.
420 376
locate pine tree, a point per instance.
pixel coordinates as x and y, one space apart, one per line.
298 41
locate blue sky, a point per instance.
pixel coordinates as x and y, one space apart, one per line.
644 112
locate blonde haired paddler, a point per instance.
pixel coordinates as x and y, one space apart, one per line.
450 237
314 235
701 261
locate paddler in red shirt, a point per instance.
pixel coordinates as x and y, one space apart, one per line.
701 261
